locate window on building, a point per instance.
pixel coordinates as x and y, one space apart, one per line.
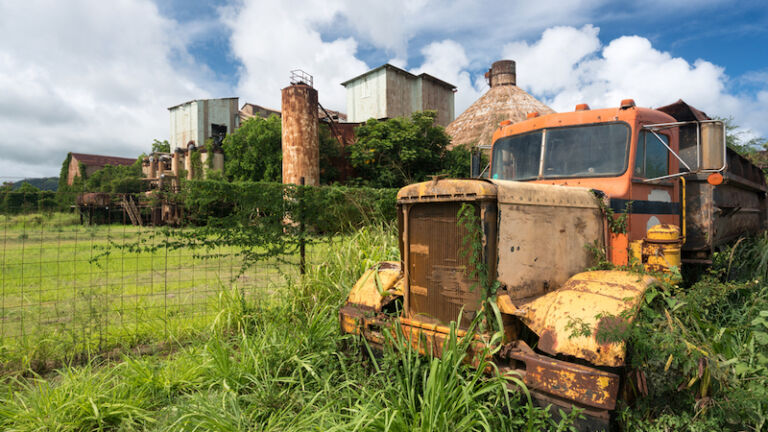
218 133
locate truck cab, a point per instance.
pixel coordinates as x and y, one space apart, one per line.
606 150
666 166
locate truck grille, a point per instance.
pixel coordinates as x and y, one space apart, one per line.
439 286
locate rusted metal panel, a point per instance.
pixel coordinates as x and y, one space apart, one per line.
543 231
592 299
716 215
580 384
95 199
447 190
399 94
301 150
376 284
584 386
435 96
438 286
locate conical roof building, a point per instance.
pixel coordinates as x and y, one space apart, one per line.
503 101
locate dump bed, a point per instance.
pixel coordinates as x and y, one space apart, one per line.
716 215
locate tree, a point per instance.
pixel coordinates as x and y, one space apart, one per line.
161 146
399 151
331 154
118 179
457 162
254 151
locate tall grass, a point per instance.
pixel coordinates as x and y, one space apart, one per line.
277 361
704 347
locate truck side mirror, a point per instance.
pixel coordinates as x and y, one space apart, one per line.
712 146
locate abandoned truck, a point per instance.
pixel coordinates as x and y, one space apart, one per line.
559 185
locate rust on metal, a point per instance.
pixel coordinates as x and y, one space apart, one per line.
439 285
375 286
587 300
574 382
301 148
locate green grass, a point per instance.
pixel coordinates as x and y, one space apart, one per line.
68 289
276 361
274 358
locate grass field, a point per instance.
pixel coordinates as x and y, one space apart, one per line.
69 288
274 360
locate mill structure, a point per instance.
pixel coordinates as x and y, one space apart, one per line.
301 142
504 100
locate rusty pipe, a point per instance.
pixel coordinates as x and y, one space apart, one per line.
682 218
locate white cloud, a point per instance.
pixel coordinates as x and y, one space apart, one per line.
273 37
448 61
567 66
88 76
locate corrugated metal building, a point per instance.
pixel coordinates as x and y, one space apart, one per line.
388 91
196 121
250 110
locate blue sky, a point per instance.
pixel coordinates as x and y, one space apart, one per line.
94 76
730 35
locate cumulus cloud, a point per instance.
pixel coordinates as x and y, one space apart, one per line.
87 76
567 66
273 37
448 61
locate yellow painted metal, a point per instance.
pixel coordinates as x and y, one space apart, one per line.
636 250
447 190
662 247
568 319
376 284
682 202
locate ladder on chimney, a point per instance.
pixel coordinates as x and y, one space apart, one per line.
133 212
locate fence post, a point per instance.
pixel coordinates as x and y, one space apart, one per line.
302 242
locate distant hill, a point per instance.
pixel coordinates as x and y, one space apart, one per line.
44 183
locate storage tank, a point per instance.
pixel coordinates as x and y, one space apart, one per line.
301 147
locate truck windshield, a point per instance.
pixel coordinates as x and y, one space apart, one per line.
577 151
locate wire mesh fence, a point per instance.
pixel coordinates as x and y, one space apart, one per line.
84 283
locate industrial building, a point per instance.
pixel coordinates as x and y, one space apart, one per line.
250 110
504 100
388 91
92 163
196 121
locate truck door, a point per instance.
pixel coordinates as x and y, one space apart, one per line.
658 202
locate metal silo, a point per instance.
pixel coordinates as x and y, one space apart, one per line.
301 147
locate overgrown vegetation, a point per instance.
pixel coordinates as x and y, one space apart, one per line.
400 151
701 349
277 361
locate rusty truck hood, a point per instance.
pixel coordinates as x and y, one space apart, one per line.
447 190
568 319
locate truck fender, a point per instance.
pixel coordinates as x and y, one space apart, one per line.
568 319
377 286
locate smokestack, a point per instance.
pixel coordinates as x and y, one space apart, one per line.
301 146
502 72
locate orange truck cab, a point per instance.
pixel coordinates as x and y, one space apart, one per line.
634 156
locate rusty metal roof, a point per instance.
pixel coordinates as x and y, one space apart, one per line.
403 71
244 114
681 111
100 160
476 125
